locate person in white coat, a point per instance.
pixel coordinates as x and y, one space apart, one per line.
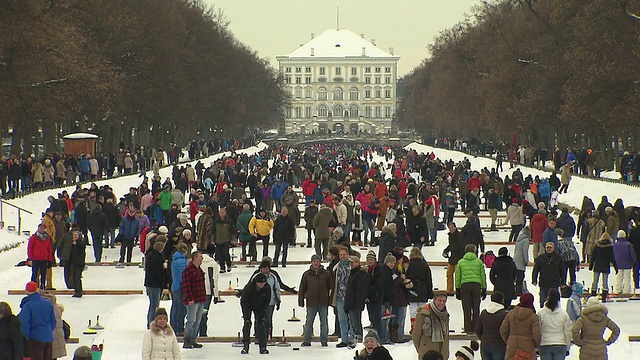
160 342
555 326
212 285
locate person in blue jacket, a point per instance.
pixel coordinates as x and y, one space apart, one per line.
129 231
85 168
545 192
178 310
38 322
277 190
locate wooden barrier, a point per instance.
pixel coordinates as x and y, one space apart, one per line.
232 339
113 263
73 340
85 292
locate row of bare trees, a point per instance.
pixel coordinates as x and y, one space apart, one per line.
556 72
146 72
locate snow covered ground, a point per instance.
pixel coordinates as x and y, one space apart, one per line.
124 316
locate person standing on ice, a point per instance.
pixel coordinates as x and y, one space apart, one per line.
625 258
194 297
255 299
314 287
588 330
39 255
471 286
432 326
160 341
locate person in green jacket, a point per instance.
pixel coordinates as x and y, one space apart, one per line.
244 235
165 200
471 286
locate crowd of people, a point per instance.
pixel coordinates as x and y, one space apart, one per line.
350 201
25 173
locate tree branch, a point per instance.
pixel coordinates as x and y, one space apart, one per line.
46 83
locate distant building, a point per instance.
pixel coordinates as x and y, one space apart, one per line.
339 82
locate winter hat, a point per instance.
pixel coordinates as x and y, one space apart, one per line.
526 301
608 209
515 201
261 278
622 234
371 255
186 232
577 288
31 287
357 203
389 258
315 257
163 229
161 312
354 259
503 251
372 335
467 351
593 301
266 262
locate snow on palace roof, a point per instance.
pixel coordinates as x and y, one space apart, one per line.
76 136
338 43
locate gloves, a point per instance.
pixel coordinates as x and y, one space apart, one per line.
277 306
239 294
215 299
483 292
458 294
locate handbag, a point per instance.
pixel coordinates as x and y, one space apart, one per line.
565 291
521 355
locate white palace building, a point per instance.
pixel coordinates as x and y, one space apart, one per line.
339 83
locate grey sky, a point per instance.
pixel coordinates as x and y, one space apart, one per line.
277 27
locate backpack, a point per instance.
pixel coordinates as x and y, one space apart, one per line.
489 258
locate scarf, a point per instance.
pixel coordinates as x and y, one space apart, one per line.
438 322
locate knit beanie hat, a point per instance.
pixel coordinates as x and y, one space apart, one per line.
577 288
31 287
467 351
161 312
315 257
373 335
622 234
593 301
526 301
371 255
261 278
389 258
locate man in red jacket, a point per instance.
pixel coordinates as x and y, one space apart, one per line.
538 225
195 296
40 255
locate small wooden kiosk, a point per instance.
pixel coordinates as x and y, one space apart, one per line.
80 143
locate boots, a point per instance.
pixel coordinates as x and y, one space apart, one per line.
187 344
245 349
264 351
398 340
594 293
393 333
605 295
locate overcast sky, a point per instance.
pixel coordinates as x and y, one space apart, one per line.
277 27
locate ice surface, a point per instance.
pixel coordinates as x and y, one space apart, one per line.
124 316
